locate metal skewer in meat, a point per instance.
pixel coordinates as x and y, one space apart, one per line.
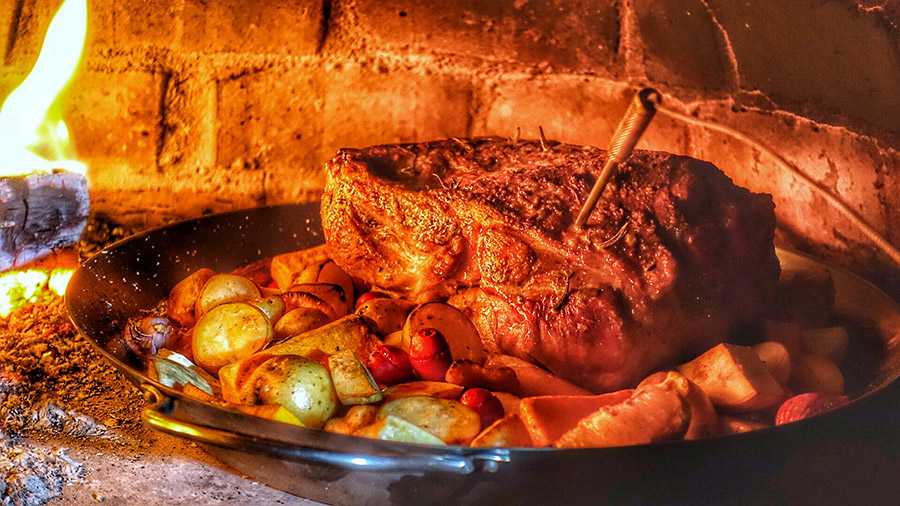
489 225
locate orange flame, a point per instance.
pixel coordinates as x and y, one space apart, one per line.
32 138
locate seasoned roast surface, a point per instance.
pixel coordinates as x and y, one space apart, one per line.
672 257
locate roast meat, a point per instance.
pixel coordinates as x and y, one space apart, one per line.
673 256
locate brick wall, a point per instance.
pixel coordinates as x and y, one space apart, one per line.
193 106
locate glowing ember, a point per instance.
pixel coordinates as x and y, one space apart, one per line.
32 137
20 287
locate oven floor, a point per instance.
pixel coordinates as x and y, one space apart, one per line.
70 430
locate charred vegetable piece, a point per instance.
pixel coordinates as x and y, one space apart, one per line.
704 418
548 417
175 370
348 333
328 272
532 379
387 315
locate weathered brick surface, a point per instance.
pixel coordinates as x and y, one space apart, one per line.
136 23
566 35
683 46
29 24
115 118
375 103
816 58
270 121
570 109
253 26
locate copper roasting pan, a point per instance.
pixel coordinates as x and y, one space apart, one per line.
848 456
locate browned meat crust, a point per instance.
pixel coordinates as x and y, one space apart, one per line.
672 257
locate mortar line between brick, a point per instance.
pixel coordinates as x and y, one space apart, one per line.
326 25
161 143
13 30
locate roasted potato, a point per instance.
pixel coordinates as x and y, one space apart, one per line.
356 418
449 420
223 288
301 385
182 302
228 333
299 321
272 306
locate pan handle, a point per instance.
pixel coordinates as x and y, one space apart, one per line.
157 416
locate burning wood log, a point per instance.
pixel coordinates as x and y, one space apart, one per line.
39 214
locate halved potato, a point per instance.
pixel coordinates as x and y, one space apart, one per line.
461 335
299 321
229 332
223 288
301 385
182 301
450 421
